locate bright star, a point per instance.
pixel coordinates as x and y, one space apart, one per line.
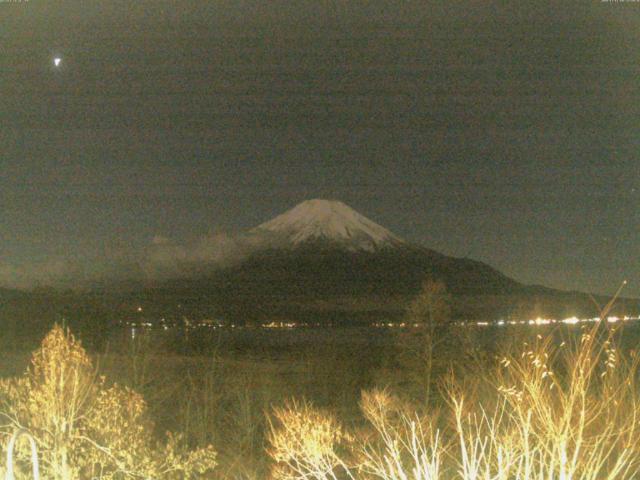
56 61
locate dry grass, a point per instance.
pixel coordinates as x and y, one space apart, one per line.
553 410
565 411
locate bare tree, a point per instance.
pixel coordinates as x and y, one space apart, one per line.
431 307
428 318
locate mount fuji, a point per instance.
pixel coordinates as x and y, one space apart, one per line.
319 262
322 259
327 245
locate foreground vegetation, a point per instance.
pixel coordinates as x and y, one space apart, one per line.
84 427
566 411
443 404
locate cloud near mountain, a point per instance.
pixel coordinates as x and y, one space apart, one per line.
310 221
162 258
29 275
165 258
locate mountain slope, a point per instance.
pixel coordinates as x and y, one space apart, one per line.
326 244
317 267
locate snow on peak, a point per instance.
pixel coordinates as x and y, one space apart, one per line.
330 220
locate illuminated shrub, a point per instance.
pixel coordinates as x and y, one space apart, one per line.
305 442
85 428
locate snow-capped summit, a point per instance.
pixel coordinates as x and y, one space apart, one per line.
329 220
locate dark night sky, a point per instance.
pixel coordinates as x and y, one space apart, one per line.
507 132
